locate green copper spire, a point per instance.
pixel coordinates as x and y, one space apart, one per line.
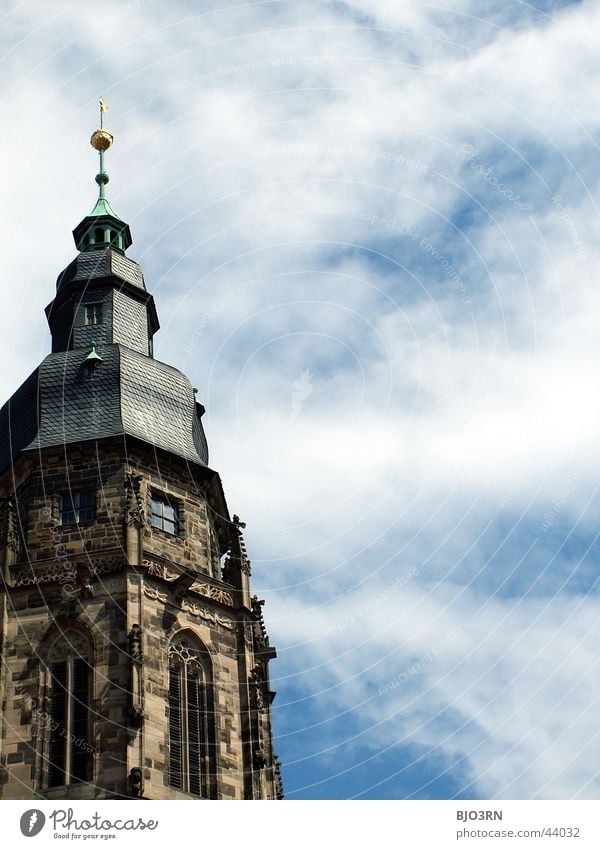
101 141
102 228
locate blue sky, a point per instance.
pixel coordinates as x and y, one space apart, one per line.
372 234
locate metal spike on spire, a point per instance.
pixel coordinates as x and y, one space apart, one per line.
103 109
101 141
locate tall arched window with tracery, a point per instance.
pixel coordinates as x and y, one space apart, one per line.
68 717
191 767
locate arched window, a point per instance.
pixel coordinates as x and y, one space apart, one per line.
191 767
68 717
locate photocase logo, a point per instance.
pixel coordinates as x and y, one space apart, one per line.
32 822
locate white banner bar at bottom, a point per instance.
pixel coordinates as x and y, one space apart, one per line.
274 825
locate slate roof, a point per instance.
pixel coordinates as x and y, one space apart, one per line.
95 264
129 394
18 420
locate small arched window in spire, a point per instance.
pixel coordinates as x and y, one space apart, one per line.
191 768
69 679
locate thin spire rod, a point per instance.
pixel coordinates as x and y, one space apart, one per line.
101 141
103 109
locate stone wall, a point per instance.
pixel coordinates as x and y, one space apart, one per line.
85 577
29 631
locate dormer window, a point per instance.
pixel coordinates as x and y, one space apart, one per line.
93 314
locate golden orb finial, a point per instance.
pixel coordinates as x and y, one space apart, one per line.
101 140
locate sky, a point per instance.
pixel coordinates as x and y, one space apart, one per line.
372 234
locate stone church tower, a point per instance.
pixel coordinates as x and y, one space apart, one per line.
134 656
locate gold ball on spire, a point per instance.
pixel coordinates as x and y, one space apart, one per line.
101 140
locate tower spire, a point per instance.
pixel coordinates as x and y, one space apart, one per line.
101 141
102 228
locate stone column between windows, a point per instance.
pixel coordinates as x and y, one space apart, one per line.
135 517
135 746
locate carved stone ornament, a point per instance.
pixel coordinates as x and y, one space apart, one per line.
237 557
155 595
63 570
181 653
84 580
136 703
102 565
136 782
135 509
10 533
215 593
257 700
207 615
192 608
161 570
259 759
261 639
135 644
248 637
45 574
70 643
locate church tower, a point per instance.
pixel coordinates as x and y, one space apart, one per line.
134 657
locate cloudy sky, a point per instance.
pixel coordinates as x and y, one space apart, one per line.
372 233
